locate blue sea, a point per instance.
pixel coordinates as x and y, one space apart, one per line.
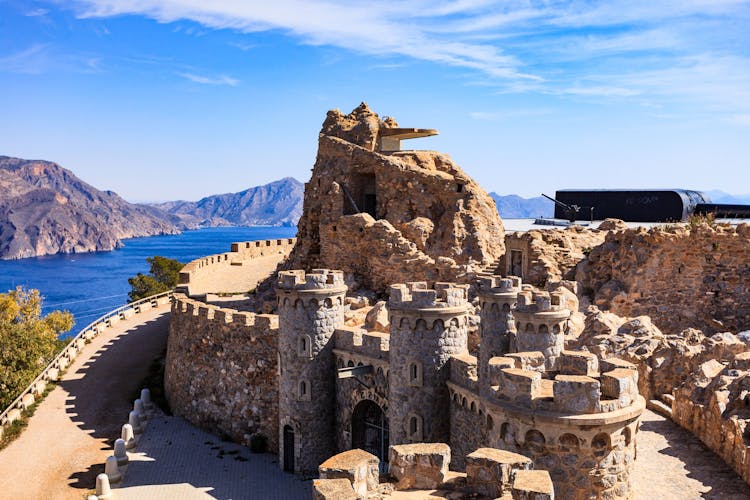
90 284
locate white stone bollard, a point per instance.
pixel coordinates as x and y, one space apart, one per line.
120 453
112 470
135 422
103 491
92 497
140 410
128 436
146 399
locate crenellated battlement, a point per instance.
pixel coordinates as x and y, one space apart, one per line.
358 341
499 285
579 388
232 271
416 296
317 279
218 315
540 302
464 371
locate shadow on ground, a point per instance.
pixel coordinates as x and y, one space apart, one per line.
101 394
701 463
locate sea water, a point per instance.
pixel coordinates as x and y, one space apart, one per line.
90 284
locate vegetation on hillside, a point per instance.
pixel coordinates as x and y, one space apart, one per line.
163 276
28 340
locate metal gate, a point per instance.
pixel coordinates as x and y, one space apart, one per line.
370 431
288 448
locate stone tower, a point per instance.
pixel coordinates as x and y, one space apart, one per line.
541 321
497 299
427 328
311 307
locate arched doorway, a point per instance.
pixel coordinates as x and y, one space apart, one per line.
288 448
370 431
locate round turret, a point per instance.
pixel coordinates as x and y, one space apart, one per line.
428 326
311 307
541 322
497 298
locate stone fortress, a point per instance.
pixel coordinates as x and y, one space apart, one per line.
403 314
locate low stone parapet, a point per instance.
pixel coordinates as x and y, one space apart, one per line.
532 485
333 489
419 465
489 472
359 468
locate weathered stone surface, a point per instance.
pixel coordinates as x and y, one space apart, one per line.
377 318
221 370
532 485
489 471
333 489
548 255
680 276
357 466
426 216
419 465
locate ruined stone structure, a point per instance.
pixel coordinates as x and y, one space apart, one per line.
461 352
384 215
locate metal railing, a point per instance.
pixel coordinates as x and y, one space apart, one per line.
66 356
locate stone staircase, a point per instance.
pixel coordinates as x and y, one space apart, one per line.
662 406
490 269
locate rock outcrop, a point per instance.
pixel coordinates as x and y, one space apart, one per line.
682 276
387 216
45 209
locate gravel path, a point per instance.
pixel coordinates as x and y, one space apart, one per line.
71 434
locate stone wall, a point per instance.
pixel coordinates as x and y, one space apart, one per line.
579 425
355 347
714 405
548 255
238 271
221 370
680 276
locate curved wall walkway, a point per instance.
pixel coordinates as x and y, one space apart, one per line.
71 434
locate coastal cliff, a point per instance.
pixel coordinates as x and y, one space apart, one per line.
45 209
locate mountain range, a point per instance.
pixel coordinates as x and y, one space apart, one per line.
45 209
278 203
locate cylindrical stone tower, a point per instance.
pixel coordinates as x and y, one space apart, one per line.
541 320
427 328
497 298
311 307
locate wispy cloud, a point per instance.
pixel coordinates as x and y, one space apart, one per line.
41 58
610 49
37 12
211 80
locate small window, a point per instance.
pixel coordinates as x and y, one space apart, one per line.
415 374
304 347
460 188
414 428
304 390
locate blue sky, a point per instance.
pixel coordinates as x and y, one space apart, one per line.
178 99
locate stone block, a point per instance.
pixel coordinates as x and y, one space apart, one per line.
532 485
609 364
419 465
742 361
360 468
579 363
496 364
519 386
27 400
531 360
489 472
621 384
333 489
577 394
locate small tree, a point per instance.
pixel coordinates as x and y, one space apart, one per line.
163 275
28 340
